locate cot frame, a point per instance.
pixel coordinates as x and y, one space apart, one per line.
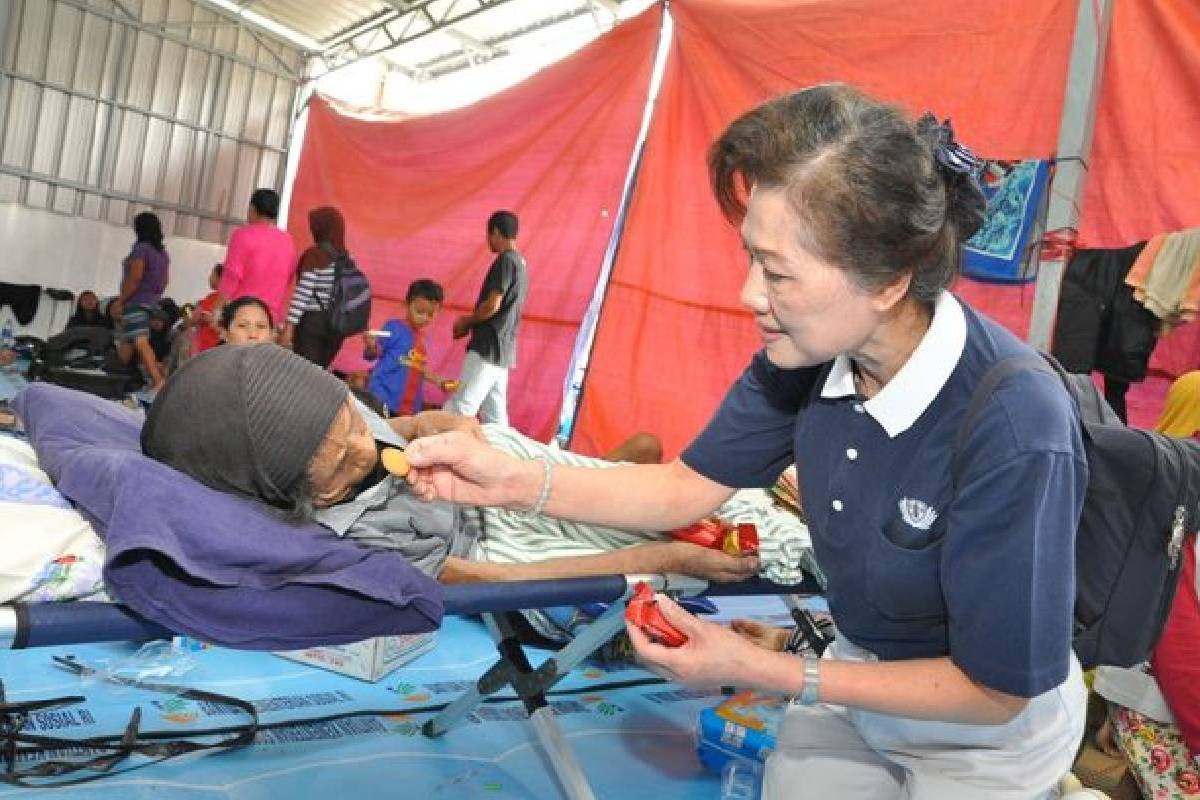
50 624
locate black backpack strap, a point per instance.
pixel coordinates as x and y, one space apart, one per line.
1091 406
335 257
317 299
996 374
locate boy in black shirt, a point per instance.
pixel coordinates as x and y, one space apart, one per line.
492 349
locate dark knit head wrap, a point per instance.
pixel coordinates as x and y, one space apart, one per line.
245 419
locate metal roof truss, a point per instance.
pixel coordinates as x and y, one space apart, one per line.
407 22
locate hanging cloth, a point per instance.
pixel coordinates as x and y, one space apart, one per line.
22 298
1000 251
1171 287
1099 325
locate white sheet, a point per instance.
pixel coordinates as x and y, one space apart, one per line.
48 551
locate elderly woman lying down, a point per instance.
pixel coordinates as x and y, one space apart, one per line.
260 422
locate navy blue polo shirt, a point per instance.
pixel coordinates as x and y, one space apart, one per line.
915 569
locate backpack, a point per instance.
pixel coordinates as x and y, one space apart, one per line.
349 309
1142 499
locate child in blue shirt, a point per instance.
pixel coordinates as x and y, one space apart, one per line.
399 376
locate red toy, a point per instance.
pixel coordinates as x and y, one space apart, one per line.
736 540
643 612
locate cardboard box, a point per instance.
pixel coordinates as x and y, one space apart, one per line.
1098 770
368 660
742 726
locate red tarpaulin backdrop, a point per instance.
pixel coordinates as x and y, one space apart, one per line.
672 335
416 195
1145 173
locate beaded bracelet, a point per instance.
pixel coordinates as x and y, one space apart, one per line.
543 497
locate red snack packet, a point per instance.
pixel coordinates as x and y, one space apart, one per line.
643 612
740 539
706 533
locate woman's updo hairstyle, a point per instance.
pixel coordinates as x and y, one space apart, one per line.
874 193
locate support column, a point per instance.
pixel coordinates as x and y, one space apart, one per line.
7 7
1092 25
6 10
297 126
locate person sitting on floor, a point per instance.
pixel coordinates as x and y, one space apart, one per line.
88 313
1181 410
169 337
265 424
246 320
163 317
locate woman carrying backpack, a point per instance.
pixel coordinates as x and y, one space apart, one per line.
952 675
308 330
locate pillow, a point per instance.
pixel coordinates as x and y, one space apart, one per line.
208 564
48 552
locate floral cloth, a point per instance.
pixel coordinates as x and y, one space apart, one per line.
1160 761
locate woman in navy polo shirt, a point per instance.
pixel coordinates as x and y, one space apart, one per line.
952 676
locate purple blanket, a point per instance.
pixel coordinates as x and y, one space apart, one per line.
208 564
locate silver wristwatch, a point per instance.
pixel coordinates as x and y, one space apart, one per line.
810 695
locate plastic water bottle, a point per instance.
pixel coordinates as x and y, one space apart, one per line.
741 779
6 334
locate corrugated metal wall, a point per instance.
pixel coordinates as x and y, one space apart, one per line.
110 107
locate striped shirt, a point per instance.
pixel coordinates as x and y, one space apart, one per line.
312 292
507 537
386 515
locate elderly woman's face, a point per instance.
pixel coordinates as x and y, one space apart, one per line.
807 310
345 457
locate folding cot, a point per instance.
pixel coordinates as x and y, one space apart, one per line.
172 573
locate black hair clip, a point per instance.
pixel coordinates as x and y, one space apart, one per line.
948 152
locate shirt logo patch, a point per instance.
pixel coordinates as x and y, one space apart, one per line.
917 514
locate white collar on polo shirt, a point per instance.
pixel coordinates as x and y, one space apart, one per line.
911 390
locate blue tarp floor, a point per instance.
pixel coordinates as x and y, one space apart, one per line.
632 742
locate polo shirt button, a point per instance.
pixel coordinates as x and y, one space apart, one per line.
858 408
852 454
837 505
